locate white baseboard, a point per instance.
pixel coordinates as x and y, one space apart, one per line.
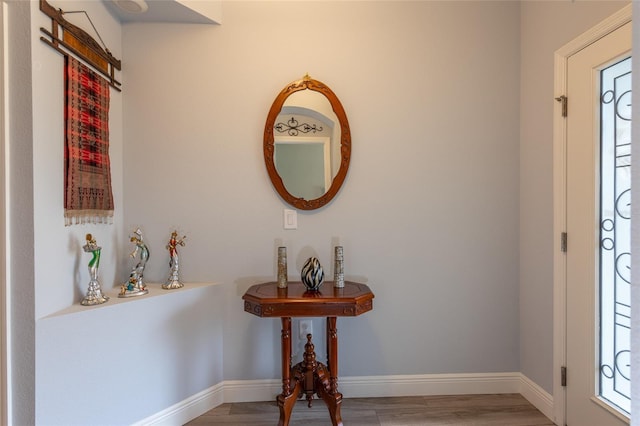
359 387
538 397
251 390
429 384
188 409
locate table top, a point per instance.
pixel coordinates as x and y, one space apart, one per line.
267 300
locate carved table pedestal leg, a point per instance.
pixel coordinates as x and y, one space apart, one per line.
309 377
287 399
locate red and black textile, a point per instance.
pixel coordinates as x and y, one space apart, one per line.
88 197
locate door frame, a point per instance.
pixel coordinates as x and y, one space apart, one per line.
4 230
561 58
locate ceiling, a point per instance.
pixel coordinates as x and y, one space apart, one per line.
177 11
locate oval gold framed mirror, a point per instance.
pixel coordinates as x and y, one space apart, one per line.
307 144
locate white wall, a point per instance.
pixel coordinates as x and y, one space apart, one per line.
444 213
545 27
436 179
21 335
52 344
59 248
428 214
127 361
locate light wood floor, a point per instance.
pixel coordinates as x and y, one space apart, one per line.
467 410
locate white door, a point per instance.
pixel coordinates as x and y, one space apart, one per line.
3 219
597 225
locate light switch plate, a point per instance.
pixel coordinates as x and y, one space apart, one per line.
290 219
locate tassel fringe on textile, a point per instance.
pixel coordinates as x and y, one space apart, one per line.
88 217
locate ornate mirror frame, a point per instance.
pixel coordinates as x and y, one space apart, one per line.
307 83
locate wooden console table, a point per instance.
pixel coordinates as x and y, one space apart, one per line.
309 376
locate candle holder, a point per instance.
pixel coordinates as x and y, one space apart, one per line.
282 267
338 268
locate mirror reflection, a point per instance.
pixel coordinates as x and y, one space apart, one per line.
307 144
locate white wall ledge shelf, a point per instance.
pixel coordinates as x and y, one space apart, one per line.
155 291
165 345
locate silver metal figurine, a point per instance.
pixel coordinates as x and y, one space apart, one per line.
94 293
174 281
135 286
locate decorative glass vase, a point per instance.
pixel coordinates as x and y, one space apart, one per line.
312 274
